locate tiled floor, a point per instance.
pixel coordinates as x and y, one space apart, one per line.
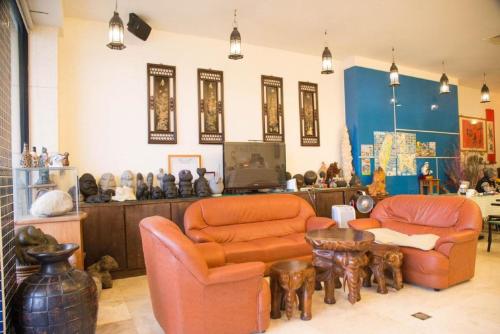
472 307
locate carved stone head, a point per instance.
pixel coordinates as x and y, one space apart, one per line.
127 179
107 181
88 185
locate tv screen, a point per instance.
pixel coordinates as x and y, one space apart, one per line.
254 165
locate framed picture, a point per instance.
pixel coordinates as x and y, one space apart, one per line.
176 163
490 136
309 117
472 134
273 123
162 126
211 106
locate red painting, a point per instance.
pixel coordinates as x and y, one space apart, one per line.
472 134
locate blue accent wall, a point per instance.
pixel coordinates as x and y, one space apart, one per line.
368 109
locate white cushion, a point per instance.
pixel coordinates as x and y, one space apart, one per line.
388 236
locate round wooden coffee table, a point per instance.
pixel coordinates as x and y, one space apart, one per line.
340 252
382 257
290 278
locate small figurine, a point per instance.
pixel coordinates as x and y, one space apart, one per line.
300 180
25 157
65 160
322 168
43 160
159 177
156 193
141 191
34 157
377 187
127 179
149 183
169 187
27 237
107 184
425 171
201 186
57 160
124 194
216 186
333 171
90 191
355 181
101 270
185 186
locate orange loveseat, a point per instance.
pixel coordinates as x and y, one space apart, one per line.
189 297
266 228
456 220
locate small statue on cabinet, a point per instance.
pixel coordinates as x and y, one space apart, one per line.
35 159
157 193
74 196
159 177
57 160
65 160
322 168
355 181
333 171
90 191
107 184
149 182
425 171
377 188
25 157
169 187
141 192
310 178
127 179
300 180
124 194
185 185
27 237
101 269
201 187
288 176
216 186
322 180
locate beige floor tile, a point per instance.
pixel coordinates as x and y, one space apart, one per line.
121 327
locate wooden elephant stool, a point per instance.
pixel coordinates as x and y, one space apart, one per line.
290 279
383 258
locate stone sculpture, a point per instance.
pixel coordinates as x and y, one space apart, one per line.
74 196
27 237
159 177
201 187
35 159
377 187
43 160
310 177
333 171
169 187
157 193
124 194
90 191
107 181
101 270
300 180
185 185
52 203
127 179
149 182
216 186
141 192
355 181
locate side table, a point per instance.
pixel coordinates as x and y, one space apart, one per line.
382 257
288 279
340 252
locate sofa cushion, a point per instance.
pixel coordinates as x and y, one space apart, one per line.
421 241
267 249
438 211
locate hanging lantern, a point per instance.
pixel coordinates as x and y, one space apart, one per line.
394 74
485 91
116 31
444 86
235 41
326 59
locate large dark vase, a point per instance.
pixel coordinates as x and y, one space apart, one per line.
57 299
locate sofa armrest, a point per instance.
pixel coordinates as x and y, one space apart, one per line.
445 243
235 272
319 223
199 236
364 223
213 253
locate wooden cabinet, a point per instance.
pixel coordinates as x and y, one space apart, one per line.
133 216
104 233
325 199
178 208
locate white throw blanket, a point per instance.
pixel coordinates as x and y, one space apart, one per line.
388 236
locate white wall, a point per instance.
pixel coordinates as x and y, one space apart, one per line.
102 99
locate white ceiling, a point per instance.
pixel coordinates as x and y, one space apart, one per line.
424 32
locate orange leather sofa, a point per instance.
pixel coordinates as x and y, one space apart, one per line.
188 297
266 228
456 220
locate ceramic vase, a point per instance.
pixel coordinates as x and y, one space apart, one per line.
58 298
216 186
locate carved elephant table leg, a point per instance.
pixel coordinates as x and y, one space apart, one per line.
393 260
289 279
377 267
382 257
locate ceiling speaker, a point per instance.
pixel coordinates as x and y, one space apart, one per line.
138 27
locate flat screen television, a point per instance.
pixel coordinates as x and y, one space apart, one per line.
253 166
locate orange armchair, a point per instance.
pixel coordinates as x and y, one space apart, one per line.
456 220
189 297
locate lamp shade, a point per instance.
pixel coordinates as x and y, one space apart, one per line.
485 94
235 45
326 61
116 33
444 86
394 75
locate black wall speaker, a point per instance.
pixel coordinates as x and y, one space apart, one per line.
138 27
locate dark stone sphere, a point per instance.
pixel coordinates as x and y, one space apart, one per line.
300 180
310 177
